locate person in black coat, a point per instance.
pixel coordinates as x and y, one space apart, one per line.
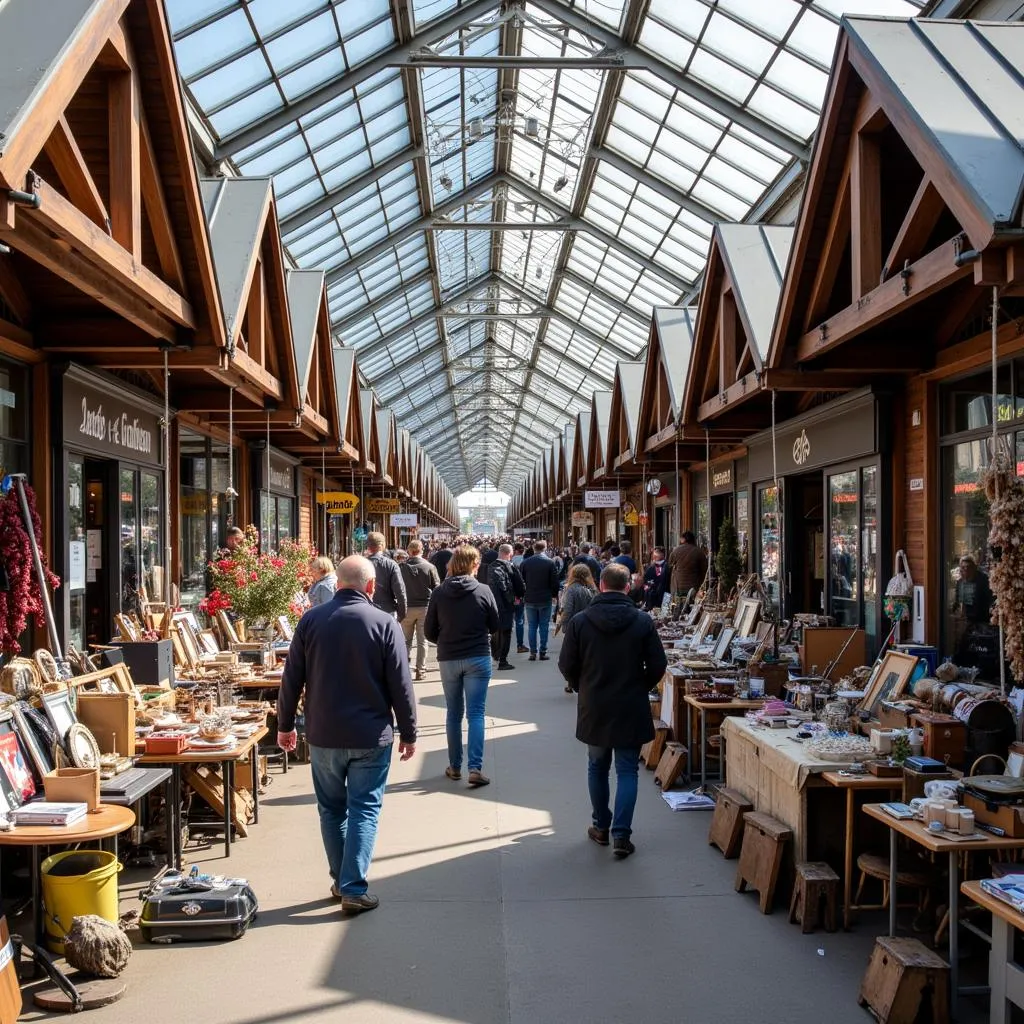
656 577
488 556
541 578
507 586
612 657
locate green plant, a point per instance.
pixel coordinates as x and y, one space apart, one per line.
900 748
728 562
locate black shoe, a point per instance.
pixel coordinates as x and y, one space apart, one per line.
622 847
544 657
505 666
532 657
361 904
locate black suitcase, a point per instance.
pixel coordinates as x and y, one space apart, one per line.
193 911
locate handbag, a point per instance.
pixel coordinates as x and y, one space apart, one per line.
899 590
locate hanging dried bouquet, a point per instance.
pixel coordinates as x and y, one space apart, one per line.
1005 490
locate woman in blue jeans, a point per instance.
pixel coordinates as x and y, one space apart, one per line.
461 616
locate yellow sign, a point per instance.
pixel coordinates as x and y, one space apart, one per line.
382 506
194 504
338 502
629 514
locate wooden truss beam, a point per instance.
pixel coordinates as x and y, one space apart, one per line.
67 159
832 252
922 216
13 294
772 380
124 115
866 214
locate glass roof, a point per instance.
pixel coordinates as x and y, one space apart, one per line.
495 237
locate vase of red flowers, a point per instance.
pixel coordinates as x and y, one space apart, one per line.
259 587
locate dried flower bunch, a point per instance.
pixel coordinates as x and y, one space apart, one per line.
1005 490
259 587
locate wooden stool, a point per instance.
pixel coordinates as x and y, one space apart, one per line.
727 824
815 880
671 765
900 973
650 752
764 844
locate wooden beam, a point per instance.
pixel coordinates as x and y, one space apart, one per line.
58 256
808 380
922 216
733 395
928 275
125 161
248 367
833 249
56 214
76 332
727 340
12 292
67 159
990 267
256 317
155 202
114 55
977 351
204 357
16 342
316 419
866 214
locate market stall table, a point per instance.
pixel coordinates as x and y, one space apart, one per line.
853 784
702 707
103 823
227 759
1005 975
140 782
916 831
774 771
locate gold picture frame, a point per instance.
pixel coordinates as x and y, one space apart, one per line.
748 611
889 681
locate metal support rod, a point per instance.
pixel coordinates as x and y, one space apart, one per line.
167 486
18 481
995 466
707 477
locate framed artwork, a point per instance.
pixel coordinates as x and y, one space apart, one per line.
703 628
285 627
14 766
59 711
747 614
33 744
189 643
127 628
227 628
725 638
208 642
889 682
694 613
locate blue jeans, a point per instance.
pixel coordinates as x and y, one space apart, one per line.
465 692
520 623
349 788
627 763
538 615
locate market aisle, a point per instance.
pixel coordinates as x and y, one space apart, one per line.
496 908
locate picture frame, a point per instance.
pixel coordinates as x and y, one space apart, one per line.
188 642
16 781
60 712
227 628
703 628
889 681
208 642
747 613
725 638
127 628
285 627
42 763
694 613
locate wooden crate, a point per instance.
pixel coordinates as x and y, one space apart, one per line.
727 822
650 753
671 766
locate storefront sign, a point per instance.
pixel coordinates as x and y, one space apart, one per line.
405 519
917 483
630 516
601 499
195 504
801 448
722 479
583 519
282 476
382 506
109 423
427 532
339 503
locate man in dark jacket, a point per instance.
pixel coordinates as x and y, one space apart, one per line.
441 558
488 556
541 579
507 586
625 556
688 565
420 578
350 718
389 593
611 657
586 556
655 580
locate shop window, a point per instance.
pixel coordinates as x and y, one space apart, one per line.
843 548
277 520
869 548
967 403
702 524
13 420
743 524
769 520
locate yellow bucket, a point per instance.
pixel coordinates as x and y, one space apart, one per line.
77 882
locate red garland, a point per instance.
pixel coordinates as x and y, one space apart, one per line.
22 598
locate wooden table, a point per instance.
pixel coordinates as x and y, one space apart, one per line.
916 831
103 823
151 778
702 707
227 759
1005 976
854 784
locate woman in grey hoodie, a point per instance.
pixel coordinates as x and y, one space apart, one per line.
326 582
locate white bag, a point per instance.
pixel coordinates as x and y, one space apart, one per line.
902 584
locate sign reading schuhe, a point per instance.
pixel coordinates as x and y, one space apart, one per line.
110 423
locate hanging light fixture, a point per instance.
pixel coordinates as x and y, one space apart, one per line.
560 184
446 182
476 128
532 128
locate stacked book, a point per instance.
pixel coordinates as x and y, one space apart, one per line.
46 812
1009 889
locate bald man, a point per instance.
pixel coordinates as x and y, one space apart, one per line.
349 659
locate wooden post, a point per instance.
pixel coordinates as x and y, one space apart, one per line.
125 162
866 214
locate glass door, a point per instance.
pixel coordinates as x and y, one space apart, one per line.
76 572
769 508
140 521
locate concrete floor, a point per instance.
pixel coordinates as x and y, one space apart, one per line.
496 908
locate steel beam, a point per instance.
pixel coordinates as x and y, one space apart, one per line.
598 62
581 22
491 225
340 326
237 141
341 195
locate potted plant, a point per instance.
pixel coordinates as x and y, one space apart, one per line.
728 561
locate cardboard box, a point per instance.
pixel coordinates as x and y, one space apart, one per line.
73 786
110 717
1008 817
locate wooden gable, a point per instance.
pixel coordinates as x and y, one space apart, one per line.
402 481
566 484
581 450
370 453
598 462
311 335
110 254
624 414
919 159
669 350
350 412
388 469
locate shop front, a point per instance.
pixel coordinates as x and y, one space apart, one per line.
965 424
729 499
110 503
275 476
824 547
